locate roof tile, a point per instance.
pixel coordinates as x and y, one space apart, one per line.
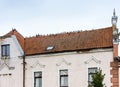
72 41
19 37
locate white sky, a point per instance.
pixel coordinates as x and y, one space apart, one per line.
31 17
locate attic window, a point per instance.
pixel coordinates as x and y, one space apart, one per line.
49 48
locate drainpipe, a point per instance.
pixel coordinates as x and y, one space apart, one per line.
24 68
24 63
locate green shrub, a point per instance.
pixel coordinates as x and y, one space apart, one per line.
97 79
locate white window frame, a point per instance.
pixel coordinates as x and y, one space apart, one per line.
59 76
6 52
92 73
37 77
97 66
33 76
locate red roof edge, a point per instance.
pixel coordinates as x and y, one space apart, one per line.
19 37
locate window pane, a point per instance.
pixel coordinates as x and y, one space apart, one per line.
91 71
38 79
90 77
64 81
63 72
38 82
5 49
8 50
38 74
63 78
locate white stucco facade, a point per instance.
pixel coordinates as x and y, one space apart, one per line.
11 68
76 62
77 65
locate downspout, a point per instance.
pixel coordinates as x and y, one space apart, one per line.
24 68
24 63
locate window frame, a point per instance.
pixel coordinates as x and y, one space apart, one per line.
60 77
5 50
37 77
91 73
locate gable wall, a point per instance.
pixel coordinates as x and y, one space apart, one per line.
11 77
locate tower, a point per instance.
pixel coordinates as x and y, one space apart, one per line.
115 34
115 63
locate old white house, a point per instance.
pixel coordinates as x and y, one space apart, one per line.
59 60
11 69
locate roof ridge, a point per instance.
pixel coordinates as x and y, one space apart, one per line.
65 33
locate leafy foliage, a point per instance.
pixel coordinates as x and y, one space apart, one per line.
97 79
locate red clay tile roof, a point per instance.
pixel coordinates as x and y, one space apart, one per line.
65 42
19 37
73 41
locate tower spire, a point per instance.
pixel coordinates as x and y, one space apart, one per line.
114 19
114 12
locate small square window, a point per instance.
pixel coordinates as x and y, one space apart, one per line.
5 50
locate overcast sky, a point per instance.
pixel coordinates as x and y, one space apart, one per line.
31 17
